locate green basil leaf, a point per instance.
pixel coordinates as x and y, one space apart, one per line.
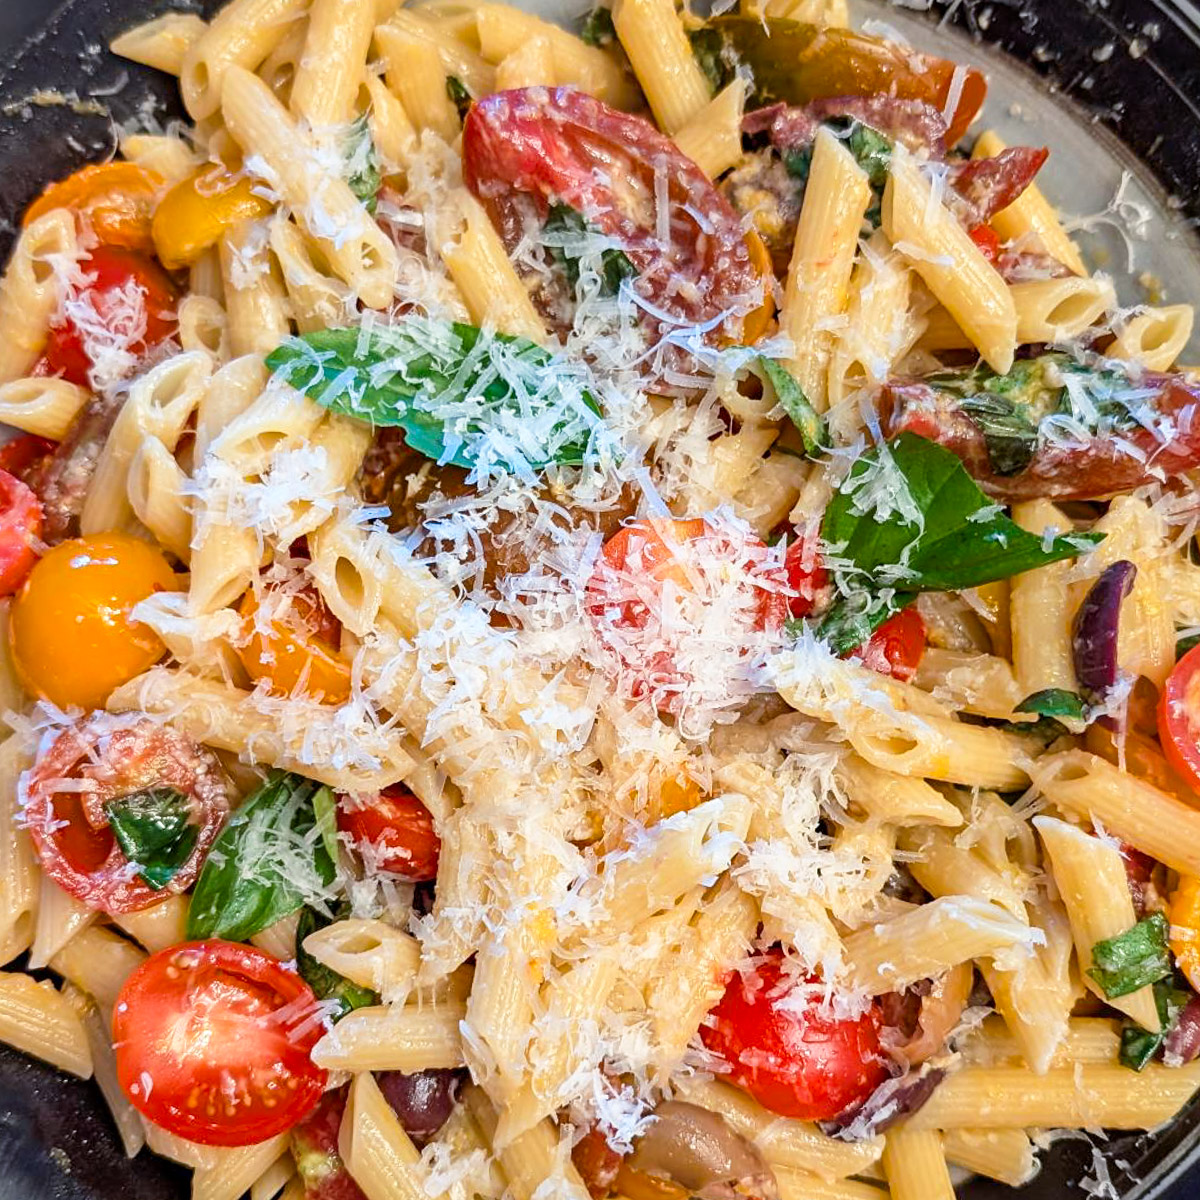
1138 1045
615 265
154 831
598 28
1054 702
325 982
457 91
794 402
1184 644
271 859
364 171
1009 436
712 56
325 817
461 395
872 151
908 518
1133 959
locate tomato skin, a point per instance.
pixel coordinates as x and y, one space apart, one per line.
22 455
110 269
315 1149
806 575
69 827
398 829
897 646
988 241
797 1064
1179 718
213 1041
117 199
20 528
71 637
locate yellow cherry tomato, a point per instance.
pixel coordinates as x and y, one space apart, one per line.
71 636
297 650
758 322
195 213
1183 911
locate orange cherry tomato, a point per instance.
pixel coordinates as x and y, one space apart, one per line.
70 630
393 832
20 527
297 651
1179 718
758 322
116 198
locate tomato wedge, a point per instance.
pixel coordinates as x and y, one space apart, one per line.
25 453
1179 718
213 1042
541 146
102 760
789 1056
897 646
126 307
20 528
392 832
117 199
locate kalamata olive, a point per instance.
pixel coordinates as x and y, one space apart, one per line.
423 1100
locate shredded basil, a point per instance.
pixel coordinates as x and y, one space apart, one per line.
598 28
276 854
324 981
364 171
947 537
457 91
1008 434
713 56
1133 959
1184 644
1139 1046
154 831
1054 702
615 265
793 401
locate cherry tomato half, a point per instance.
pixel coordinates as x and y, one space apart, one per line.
297 649
988 241
71 636
1179 718
897 646
69 825
785 1053
115 275
117 199
22 454
806 574
393 832
213 1042
20 527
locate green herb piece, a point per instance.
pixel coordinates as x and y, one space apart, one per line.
872 151
272 858
1184 644
324 981
1133 959
154 831
794 402
462 396
1139 1046
457 91
364 171
1008 434
615 265
712 56
907 519
598 28
1054 702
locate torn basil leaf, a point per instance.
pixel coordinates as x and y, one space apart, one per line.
1139 1046
458 93
598 28
1054 702
791 398
364 171
1131 960
154 831
1184 644
563 222
325 982
1008 434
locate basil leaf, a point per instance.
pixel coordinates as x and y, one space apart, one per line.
154 831
364 172
457 91
908 518
794 402
272 858
1053 702
1184 644
1133 959
598 28
615 265
461 395
1138 1045
325 981
712 57
1008 434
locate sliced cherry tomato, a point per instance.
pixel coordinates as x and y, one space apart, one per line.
297 649
393 832
789 1056
25 453
561 146
315 1149
597 1162
806 573
1179 718
71 636
982 187
117 199
213 1042
102 759
897 646
194 214
129 301
988 241
653 585
20 528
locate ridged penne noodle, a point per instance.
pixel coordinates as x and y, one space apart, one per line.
394 1038
59 918
253 289
159 926
417 77
204 326
800 1185
712 139
161 43
1155 337
378 1154
234 1170
1087 1039
37 1019
171 157
157 489
455 55
369 953
98 961
915 1165
44 406
529 65
19 875
1004 1154
330 68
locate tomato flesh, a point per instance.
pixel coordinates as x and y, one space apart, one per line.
116 199
786 1054
897 646
20 528
806 575
393 833
114 275
23 454
315 1149
213 1043
1179 718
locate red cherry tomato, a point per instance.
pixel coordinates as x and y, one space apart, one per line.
20 528
806 574
1179 718
213 1041
315 1149
393 833
25 453
100 760
562 146
129 299
785 1053
897 646
988 241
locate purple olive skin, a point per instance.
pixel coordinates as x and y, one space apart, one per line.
1094 635
423 1100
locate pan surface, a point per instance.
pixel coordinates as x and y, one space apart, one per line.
1112 86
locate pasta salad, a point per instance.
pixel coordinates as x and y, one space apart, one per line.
592 614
